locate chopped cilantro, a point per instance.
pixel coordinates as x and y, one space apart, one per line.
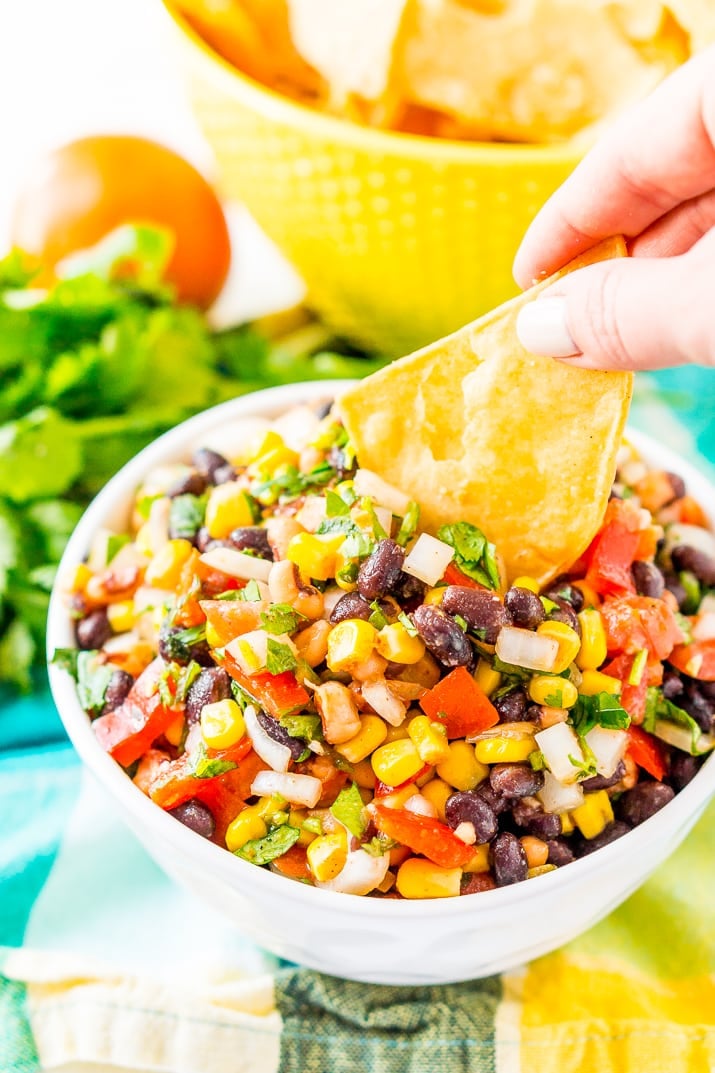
342 523
378 618
537 760
637 668
348 573
177 644
548 605
473 553
115 542
280 618
693 595
377 529
307 727
186 515
66 659
335 505
249 592
207 767
92 681
378 846
408 624
145 503
555 699
279 657
464 625
409 524
660 708
291 482
357 545
510 670
349 809
264 850
603 710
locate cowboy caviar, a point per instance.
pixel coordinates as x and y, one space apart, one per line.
283 661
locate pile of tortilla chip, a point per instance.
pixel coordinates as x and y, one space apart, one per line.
491 70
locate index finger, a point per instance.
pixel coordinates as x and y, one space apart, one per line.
657 155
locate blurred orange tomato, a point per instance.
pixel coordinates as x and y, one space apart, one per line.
85 189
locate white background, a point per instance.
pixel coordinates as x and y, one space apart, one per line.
75 67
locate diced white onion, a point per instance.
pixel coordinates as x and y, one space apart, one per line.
236 564
681 737
271 752
557 744
361 873
312 513
97 558
693 536
330 598
704 628
608 748
158 523
121 643
298 789
367 483
250 650
465 832
146 598
428 559
378 695
422 807
555 796
633 471
707 604
161 478
235 439
524 648
297 426
517 731
384 517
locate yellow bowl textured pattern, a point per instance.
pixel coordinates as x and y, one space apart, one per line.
400 239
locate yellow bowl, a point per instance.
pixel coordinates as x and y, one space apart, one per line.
400 239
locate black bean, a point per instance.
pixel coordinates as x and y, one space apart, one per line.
207 462
643 801
683 768
673 584
381 570
525 607
696 705
224 474
192 483
252 538
511 706
173 647
508 860
544 825
340 462
560 853
564 612
707 689
351 605
601 782
409 591
697 562
274 730
610 833
476 882
210 685
196 816
483 611
443 637
324 408
93 630
468 807
647 578
562 589
119 685
497 802
203 539
515 780
672 684
677 484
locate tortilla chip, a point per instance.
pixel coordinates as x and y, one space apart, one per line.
476 428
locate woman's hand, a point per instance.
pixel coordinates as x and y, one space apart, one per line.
652 179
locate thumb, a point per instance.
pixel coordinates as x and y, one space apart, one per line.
628 314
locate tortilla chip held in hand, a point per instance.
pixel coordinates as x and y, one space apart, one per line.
477 429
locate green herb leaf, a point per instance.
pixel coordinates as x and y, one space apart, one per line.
637 667
186 515
335 505
537 760
66 660
206 767
39 456
177 644
548 605
408 525
281 618
378 618
17 650
378 530
408 624
473 553
275 844
348 809
279 657
307 727
144 504
92 681
658 709
249 592
602 710
510 670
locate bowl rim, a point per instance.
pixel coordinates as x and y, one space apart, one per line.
280 108
215 859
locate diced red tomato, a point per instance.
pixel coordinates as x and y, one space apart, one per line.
175 783
613 550
647 543
696 659
225 795
632 697
278 694
655 490
128 731
231 618
647 752
454 576
423 835
636 622
460 704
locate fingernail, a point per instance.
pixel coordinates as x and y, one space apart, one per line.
542 328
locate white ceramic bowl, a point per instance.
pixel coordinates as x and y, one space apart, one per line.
378 941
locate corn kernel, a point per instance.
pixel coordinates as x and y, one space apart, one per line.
430 740
121 616
463 770
397 645
228 507
396 762
387 883
540 870
296 818
363 775
266 442
437 791
164 570
486 677
434 596
222 724
350 643
247 826
594 814
340 563
396 733
314 555
593 649
504 750
399 798
266 464
552 691
77 578
175 730
418 878
536 850
567 824
213 637
479 861
590 596
568 642
327 855
529 583
594 682
372 733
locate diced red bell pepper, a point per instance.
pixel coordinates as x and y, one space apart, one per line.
176 782
225 795
293 863
423 835
613 550
636 622
632 697
696 659
454 576
278 694
231 618
647 752
128 731
460 704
